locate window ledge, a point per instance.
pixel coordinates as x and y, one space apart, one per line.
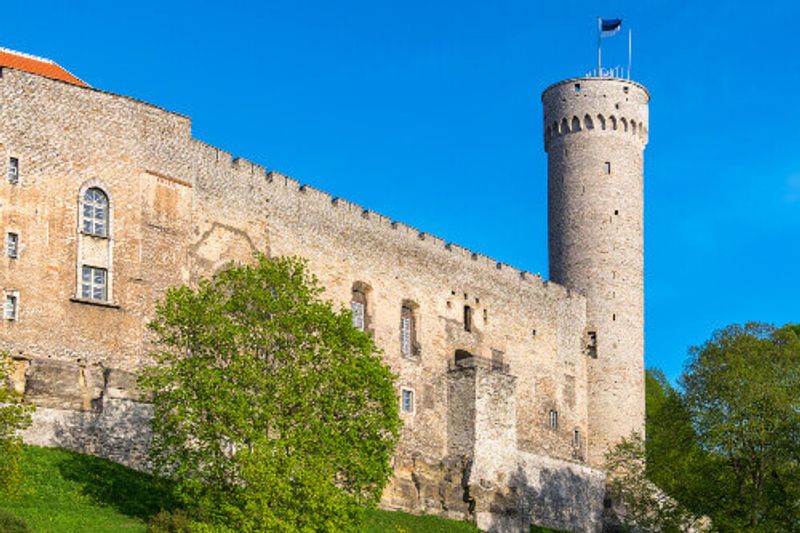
95 235
97 303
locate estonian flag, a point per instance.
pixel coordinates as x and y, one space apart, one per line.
609 27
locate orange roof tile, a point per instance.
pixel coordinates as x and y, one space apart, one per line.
37 65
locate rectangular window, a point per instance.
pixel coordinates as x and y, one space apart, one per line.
576 438
12 245
10 309
358 315
467 318
407 400
607 167
94 283
13 171
405 336
553 419
591 345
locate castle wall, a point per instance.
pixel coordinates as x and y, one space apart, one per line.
181 209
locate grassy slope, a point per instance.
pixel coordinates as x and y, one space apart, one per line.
67 492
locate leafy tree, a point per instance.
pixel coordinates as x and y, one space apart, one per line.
676 462
271 411
742 391
14 416
642 504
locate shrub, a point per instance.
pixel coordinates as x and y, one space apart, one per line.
11 524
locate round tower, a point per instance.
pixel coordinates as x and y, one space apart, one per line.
595 133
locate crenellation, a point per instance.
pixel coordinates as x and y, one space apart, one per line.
495 348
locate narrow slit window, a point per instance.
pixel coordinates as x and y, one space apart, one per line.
358 306
552 419
467 318
607 167
408 331
12 245
94 283
13 170
407 400
576 438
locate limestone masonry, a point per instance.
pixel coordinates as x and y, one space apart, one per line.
511 387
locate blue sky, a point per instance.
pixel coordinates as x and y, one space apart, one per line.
429 112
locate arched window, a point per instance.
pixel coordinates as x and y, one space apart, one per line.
613 120
602 121
564 126
624 124
588 123
555 128
95 212
633 127
576 124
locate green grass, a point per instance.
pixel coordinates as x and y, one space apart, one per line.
394 522
67 492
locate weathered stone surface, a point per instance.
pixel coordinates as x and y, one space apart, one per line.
181 209
54 384
122 385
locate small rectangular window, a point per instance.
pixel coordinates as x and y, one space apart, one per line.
12 245
10 309
576 438
607 167
358 315
407 332
407 400
552 419
577 87
94 283
13 171
467 318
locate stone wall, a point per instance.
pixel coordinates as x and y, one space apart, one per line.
181 209
595 134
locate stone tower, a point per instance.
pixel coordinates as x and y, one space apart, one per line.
595 133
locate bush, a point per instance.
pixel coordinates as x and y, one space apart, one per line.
176 521
272 412
11 524
14 416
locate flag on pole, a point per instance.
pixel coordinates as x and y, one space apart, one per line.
609 27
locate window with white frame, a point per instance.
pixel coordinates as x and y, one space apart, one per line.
408 331
407 400
13 170
11 310
95 212
12 244
94 283
358 305
552 419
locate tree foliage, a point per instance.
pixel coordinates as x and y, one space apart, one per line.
742 391
642 504
14 416
271 411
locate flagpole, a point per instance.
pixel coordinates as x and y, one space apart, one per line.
630 51
599 54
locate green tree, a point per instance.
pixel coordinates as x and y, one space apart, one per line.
15 415
676 462
642 505
271 411
742 391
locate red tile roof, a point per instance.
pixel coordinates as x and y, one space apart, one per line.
37 65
